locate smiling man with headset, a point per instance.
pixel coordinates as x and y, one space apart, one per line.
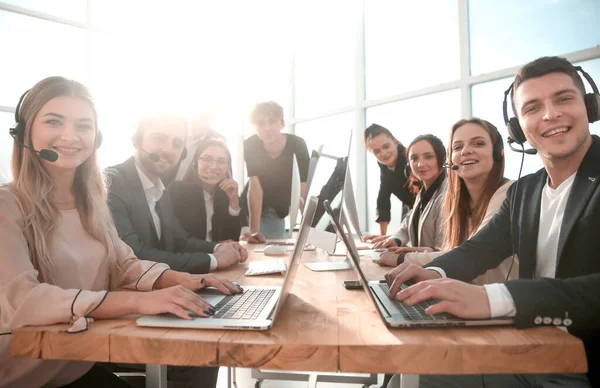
550 219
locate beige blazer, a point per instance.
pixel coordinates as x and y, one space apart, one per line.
496 275
430 231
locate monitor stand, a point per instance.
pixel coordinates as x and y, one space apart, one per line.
319 266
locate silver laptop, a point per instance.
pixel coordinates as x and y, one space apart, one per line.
395 313
256 308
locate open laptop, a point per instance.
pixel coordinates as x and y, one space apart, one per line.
393 312
256 308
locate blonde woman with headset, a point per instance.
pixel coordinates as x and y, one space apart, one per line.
61 258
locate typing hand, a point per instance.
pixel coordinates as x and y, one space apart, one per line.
177 300
455 297
406 272
388 259
227 255
385 244
197 282
373 238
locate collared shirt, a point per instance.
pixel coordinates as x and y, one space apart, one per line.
210 211
153 192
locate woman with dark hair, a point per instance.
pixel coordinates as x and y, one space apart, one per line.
475 192
390 154
421 229
206 201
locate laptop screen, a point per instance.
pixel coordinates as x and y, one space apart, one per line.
292 271
352 253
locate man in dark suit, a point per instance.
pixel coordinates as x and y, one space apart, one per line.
145 220
143 211
549 220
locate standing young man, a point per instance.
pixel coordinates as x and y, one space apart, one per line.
269 160
551 223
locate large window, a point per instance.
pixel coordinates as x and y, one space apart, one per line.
512 32
325 55
410 45
34 49
434 113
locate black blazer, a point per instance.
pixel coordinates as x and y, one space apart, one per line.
576 289
190 209
131 214
393 182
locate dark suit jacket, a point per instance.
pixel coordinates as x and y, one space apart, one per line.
190 209
576 289
131 213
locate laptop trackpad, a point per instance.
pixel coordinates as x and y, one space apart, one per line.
211 295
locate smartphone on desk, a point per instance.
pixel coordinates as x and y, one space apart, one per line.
352 284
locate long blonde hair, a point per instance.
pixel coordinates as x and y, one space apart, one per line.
457 210
32 185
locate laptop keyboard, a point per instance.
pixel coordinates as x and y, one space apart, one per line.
248 305
416 312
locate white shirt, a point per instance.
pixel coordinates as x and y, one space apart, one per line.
552 210
153 194
210 211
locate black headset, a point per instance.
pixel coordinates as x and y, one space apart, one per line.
18 133
515 132
498 153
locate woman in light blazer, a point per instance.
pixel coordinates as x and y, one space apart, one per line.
476 189
421 230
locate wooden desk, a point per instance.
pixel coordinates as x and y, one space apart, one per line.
323 327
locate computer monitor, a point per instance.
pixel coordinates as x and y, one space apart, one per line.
350 209
331 188
327 182
295 196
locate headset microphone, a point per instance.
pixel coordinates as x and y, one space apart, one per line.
529 151
451 167
152 155
46 154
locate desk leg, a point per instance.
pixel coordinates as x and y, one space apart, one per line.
409 381
156 376
312 380
231 379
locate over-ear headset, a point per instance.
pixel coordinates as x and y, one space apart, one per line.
18 131
498 152
515 132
